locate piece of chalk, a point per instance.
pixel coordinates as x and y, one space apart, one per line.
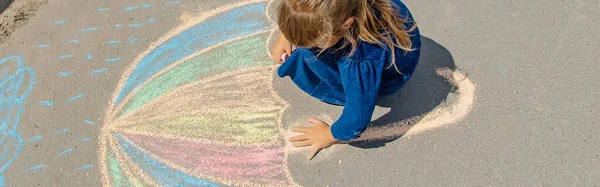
284 56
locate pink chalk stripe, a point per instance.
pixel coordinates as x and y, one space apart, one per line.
259 165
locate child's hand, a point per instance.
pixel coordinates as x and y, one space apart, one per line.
280 47
319 136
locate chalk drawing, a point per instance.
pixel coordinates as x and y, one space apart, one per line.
441 116
133 25
118 25
133 40
91 29
113 60
198 108
60 22
15 89
113 42
87 166
102 9
37 167
46 103
89 122
65 152
98 71
129 9
43 45
88 56
146 5
75 98
85 139
61 131
36 138
193 79
73 41
66 73
66 56
174 2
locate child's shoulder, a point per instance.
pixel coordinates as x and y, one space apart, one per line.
400 6
366 51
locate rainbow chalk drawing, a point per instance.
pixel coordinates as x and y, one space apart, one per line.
198 108
15 86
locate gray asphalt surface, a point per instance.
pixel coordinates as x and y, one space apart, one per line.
534 123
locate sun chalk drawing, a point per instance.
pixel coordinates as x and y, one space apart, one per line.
15 88
198 108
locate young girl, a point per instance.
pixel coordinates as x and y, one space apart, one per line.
349 52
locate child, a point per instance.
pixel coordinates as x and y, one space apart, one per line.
343 57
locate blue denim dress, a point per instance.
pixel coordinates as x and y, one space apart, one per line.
354 82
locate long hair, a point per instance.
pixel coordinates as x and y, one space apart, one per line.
308 23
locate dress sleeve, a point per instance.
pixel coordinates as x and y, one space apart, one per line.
360 80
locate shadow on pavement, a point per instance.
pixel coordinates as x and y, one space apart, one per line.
4 5
425 91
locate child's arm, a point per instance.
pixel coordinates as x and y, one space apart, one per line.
361 80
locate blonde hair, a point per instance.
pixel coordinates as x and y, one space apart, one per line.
309 22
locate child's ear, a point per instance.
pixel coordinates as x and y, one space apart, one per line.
349 22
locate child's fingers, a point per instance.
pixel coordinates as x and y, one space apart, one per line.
302 143
300 129
298 138
314 121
